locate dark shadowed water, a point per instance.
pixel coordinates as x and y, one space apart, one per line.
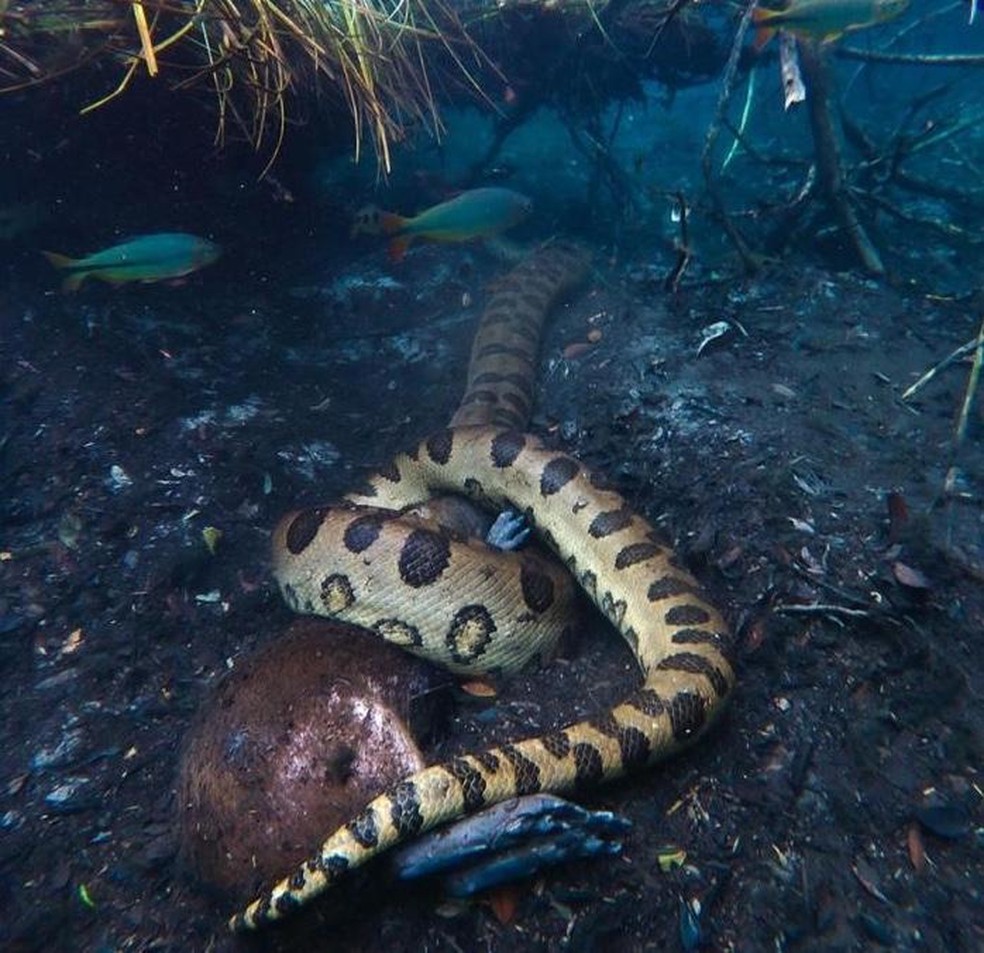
732 364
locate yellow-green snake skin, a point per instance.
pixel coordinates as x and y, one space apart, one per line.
413 582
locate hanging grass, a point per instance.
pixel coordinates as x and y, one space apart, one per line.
258 57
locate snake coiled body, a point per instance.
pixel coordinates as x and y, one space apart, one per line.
336 559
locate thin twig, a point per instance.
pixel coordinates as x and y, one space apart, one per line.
969 348
823 608
911 59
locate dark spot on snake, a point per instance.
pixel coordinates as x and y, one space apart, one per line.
698 665
398 632
286 903
557 743
473 489
362 532
635 553
303 528
477 397
632 637
635 747
298 878
389 472
675 560
439 446
518 401
647 701
557 474
336 593
504 417
667 587
520 353
538 587
487 760
506 447
606 724
405 809
611 521
490 377
614 609
497 312
588 766
424 556
699 637
599 481
470 633
363 828
527 773
632 743
689 614
290 596
688 712
334 866
471 781
525 330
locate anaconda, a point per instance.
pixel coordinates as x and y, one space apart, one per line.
349 559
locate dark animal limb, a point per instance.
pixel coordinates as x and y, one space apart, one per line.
827 151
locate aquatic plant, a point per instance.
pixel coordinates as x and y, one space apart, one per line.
368 57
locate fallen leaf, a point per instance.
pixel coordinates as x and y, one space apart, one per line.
479 688
72 643
917 854
907 576
576 350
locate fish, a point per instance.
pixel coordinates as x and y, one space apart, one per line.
147 258
824 20
476 213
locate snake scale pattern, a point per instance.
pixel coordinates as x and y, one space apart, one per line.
349 559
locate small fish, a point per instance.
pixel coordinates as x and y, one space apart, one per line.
823 20
146 258
477 213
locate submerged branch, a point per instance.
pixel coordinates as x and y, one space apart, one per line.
828 157
911 59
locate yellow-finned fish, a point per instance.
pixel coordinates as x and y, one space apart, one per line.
824 20
477 213
146 258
